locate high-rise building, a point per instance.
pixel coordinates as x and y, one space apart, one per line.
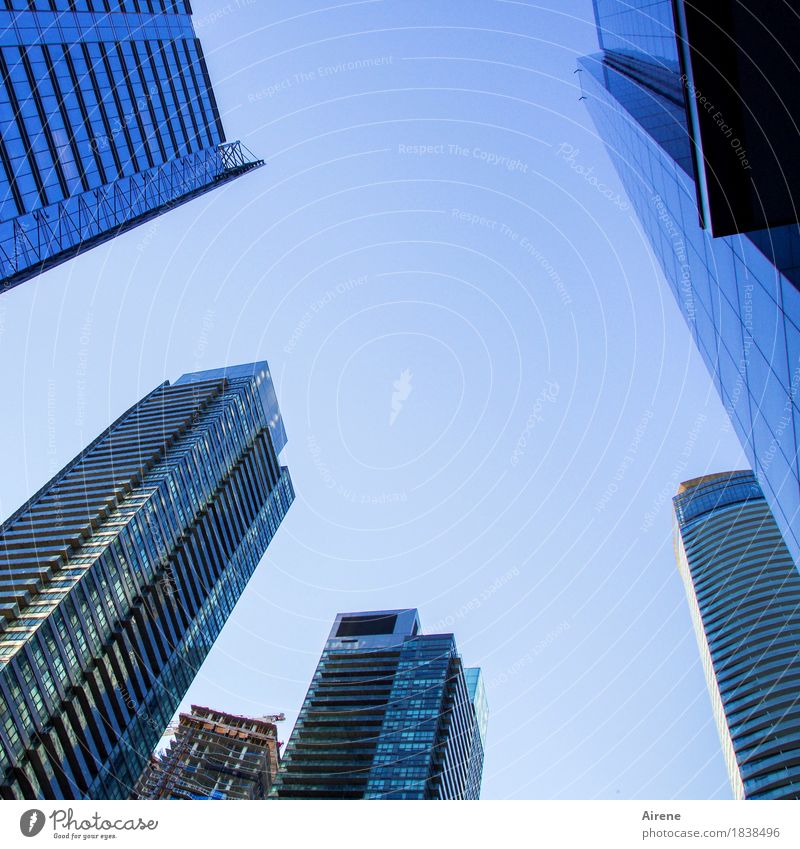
698 114
108 119
214 755
390 714
119 574
744 597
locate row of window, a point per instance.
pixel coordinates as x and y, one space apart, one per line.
76 117
152 7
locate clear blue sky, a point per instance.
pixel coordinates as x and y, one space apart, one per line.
435 203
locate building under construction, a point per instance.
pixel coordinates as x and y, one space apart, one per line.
214 755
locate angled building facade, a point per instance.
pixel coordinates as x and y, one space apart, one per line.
214 755
390 714
708 158
744 596
119 574
108 119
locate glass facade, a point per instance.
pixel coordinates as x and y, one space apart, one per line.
390 714
214 755
744 596
108 118
738 63
477 696
119 574
738 293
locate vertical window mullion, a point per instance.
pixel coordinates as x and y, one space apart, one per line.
134 104
101 107
118 105
203 103
149 92
173 93
54 81
23 130
84 113
180 73
62 179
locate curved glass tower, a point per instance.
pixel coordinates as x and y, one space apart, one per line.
744 595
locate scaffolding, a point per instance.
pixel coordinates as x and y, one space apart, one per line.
214 755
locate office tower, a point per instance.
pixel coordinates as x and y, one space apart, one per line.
117 576
699 120
744 597
390 714
108 119
214 755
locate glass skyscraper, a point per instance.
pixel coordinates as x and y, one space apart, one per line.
684 113
390 714
214 755
744 596
119 574
108 119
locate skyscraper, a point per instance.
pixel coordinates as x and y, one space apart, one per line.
119 574
698 117
744 597
390 714
108 119
214 755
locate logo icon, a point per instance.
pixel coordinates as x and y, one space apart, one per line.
31 822
402 389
